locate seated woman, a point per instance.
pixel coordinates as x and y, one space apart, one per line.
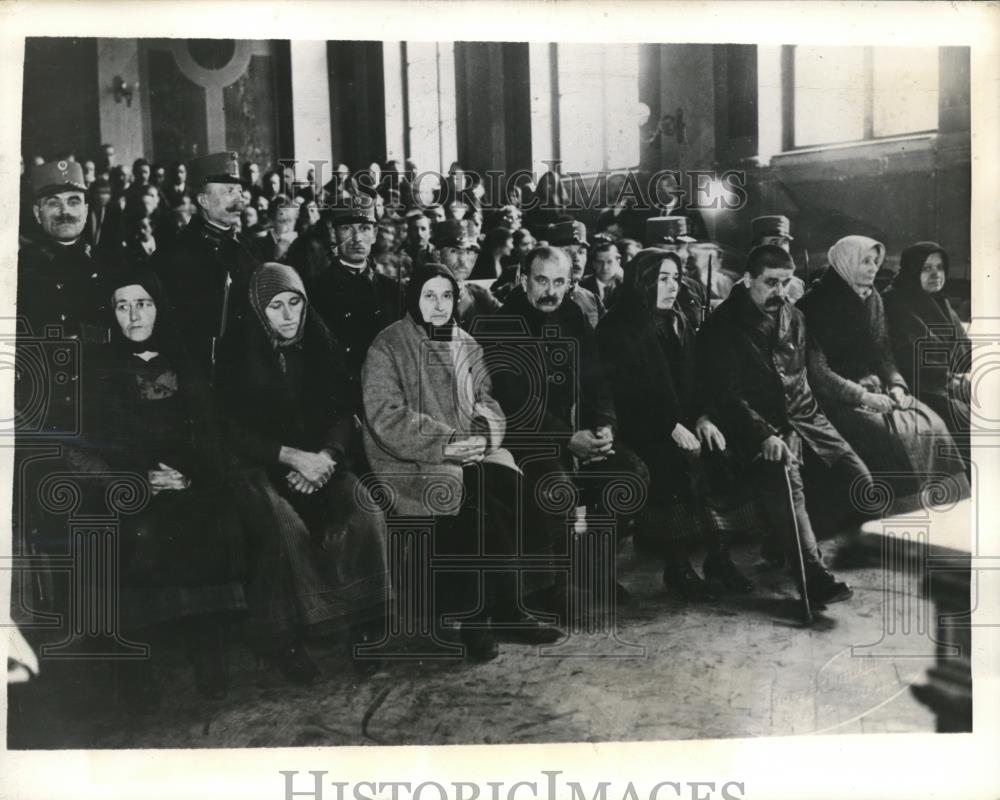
149 412
318 560
498 244
921 320
854 375
647 346
433 433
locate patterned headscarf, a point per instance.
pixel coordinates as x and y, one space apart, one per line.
846 256
271 279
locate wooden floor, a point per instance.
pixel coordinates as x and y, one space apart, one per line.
729 668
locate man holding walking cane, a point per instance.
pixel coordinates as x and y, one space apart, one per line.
752 364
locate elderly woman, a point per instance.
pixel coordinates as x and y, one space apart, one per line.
921 320
150 414
433 433
647 346
855 377
319 546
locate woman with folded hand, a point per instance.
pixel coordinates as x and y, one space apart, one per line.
318 543
433 436
854 374
148 413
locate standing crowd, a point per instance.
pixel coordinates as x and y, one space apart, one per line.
288 366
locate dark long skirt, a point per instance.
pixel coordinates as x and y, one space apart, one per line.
180 557
908 451
316 564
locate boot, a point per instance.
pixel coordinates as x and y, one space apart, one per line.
683 583
205 644
823 588
719 569
296 665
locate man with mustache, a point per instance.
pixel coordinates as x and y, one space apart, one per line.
548 378
59 282
206 267
353 298
752 378
570 236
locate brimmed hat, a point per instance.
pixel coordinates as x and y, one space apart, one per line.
667 230
55 177
452 233
352 210
773 225
570 232
214 168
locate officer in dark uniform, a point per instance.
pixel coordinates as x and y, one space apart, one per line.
60 305
206 268
355 300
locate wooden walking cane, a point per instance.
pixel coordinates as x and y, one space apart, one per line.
806 609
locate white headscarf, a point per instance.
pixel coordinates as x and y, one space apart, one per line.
846 255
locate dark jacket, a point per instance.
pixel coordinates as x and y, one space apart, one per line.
206 273
356 307
611 292
57 287
546 370
752 374
852 334
303 405
651 375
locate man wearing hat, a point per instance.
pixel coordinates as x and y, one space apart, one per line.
59 283
354 299
206 268
776 229
570 236
456 251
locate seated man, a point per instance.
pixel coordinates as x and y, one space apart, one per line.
605 282
777 230
570 236
458 253
548 378
752 369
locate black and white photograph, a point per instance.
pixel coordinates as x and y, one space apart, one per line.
500 374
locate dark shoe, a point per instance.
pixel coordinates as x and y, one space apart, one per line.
823 588
720 569
138 689
365 633
526 629
683 583
206 651
296 665
480 644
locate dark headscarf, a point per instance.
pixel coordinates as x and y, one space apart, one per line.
161 338
271 279
421 275
931 308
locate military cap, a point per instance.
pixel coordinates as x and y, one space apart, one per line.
570 232
774 225
54 177
452 233
357 208
214 168
667 230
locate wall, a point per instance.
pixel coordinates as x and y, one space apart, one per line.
60 99
357 102
121 122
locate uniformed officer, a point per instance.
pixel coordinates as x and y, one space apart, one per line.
59 300
456 251
206 268
570 236
352 297
777 229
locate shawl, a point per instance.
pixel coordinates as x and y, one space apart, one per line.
846 255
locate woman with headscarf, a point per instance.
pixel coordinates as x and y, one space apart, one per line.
921 321
148 413
319 562
647 347
433 435
854 375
